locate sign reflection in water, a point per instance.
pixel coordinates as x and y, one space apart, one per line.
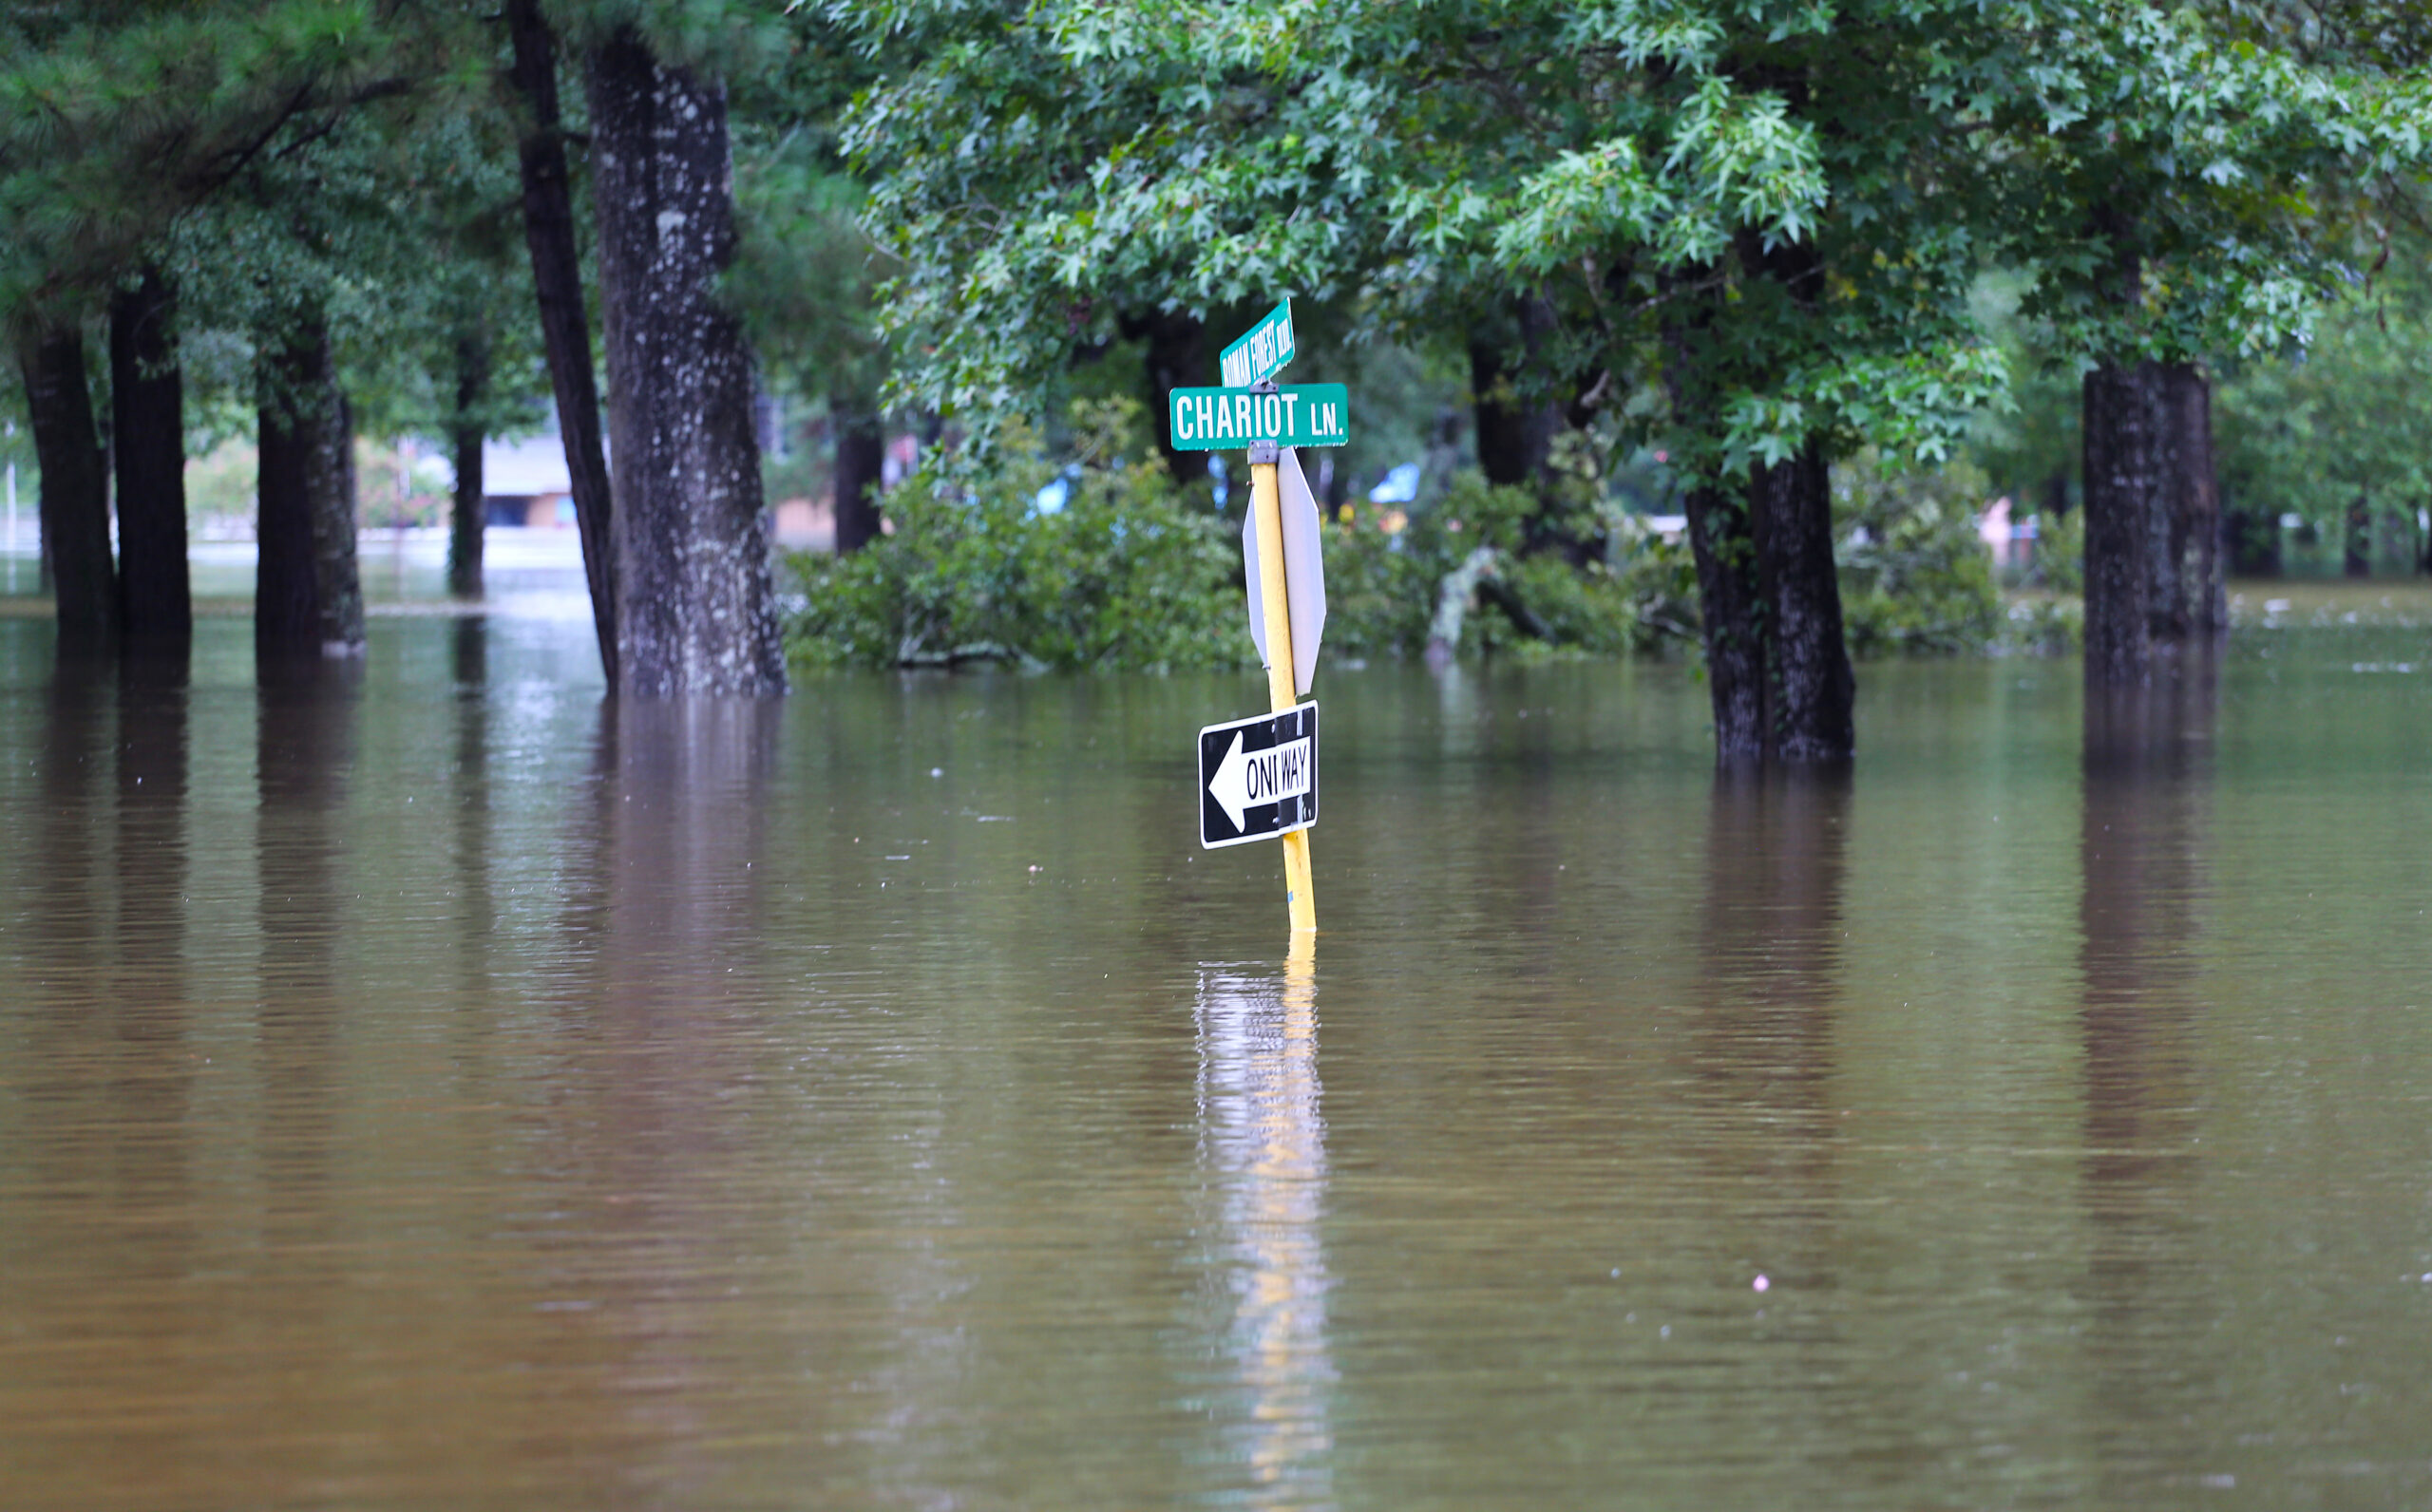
1262 1144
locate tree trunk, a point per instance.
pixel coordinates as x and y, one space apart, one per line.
75 492
2190 593
695 604
287 595
2356 557
1809 692
565 329
1177 358
468 514
1515 438
1721 544
307 593
861 461
1729 597
1813 692
334 496
2121 435
148 437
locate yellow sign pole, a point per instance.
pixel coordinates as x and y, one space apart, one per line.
1266 502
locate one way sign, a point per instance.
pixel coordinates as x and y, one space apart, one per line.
1257 778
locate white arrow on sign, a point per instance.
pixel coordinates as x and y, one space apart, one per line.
1268 777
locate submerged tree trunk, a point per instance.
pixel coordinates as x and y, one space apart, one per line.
565 329
2190 594
308 595
1729 597
1177 358
333 524
1813 691
861 461
1777 666
2121 428
75 489
1722 546
287 595
468 512
695 606
1777 662
147 440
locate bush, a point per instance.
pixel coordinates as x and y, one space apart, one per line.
1133 572
1915 577
1386 568
2061 552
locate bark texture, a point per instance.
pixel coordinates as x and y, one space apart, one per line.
2190 591
147 442
2121 431
75 489
468 511
1812 690
565 329
861 461
308 595
1177 358
1728 599
695 607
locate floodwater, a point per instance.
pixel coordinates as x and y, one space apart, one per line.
423 1087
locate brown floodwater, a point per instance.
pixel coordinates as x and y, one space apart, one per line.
424 1087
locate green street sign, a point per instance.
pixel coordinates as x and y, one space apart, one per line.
1229 419
1261 353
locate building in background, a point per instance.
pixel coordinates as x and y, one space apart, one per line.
525 483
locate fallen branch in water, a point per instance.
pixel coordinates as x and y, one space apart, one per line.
1479 576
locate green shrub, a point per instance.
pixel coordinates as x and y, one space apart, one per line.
1383 587
1915 575
2043 625
1133 572
2061 552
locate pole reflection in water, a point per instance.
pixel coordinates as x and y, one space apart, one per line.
306 725
2147 771
1262 1141
1764 1057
